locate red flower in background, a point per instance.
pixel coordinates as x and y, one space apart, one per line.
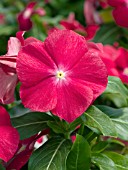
24 18
122 64
120 11
24 152
2 19
72 24
9 137
61 75
8 75
91 15
109 57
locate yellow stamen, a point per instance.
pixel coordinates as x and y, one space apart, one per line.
60 74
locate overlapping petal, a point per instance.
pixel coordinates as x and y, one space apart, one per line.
65 47
40 97
7 87
34 62
91 71
72 100
9 137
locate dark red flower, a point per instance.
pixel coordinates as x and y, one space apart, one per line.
24 18
62 75
72 24
9 137
122 64
91 15
120 11
24 152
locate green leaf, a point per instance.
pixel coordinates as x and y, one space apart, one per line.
79 156
120 161
1 167
59 126
107 34
116 91
99 120
31 123
51 156
103 162
100 146
75 123
109 111
119 118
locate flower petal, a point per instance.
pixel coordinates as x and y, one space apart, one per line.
7 87
9 140
65 47
41 97
120 15
14 46
4 117
72 100
33 64
92 72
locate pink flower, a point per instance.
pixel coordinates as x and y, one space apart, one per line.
9 137
61 75
24 20
120 11
8 75
122 64
72 24
91 15
108 55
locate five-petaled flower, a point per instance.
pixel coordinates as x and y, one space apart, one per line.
61 75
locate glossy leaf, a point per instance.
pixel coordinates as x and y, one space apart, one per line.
103 162
51 156
99 120
120 161
100 146
107 34
117 92
30 123
120 119
79 156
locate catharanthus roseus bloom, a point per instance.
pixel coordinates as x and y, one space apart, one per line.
24 20
24 152
61 75
8 76
9 137
109 57
120 11
122 64
91 15
72 24
22 155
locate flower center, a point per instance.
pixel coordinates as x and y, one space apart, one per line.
125 72
60 74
